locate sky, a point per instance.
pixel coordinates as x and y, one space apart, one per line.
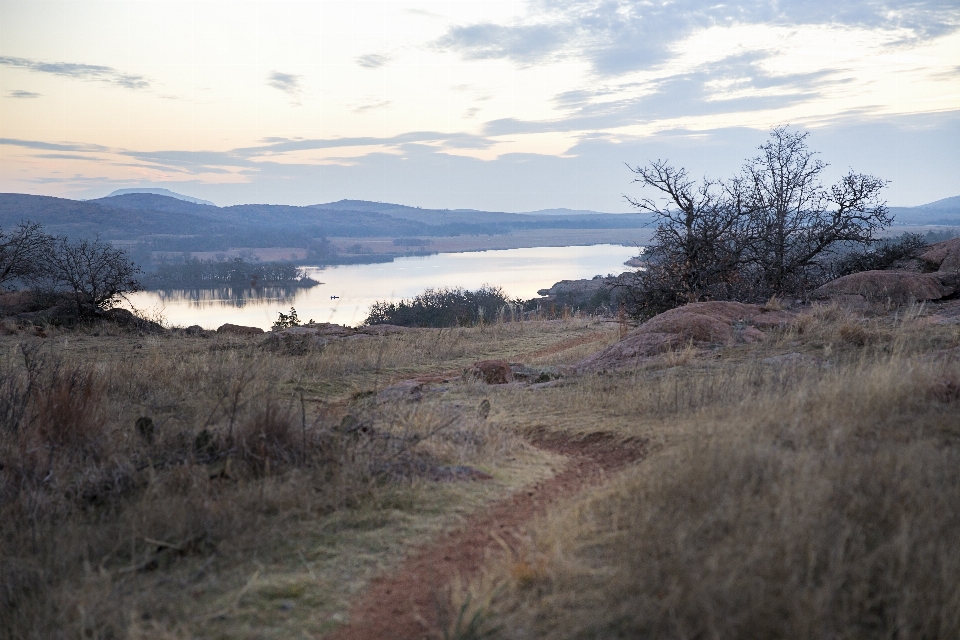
508 106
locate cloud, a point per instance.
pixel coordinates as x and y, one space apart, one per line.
88 72
54 146
699 92
288 83
62 156
521 43
192 161
370 106
372 60
617 37
286 145
19 93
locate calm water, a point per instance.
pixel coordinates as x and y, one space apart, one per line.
520 272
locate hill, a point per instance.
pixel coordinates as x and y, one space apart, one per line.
170 223
162 192
941 212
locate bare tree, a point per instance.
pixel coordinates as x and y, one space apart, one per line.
797 223
697 249
773 229
22 250
96 272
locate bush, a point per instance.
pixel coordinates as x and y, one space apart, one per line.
441 308
887 253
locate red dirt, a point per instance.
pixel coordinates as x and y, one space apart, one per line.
403 605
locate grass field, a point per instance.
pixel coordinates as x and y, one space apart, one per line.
804 486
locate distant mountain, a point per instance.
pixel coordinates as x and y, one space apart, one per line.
466 221
567 212
161 192
941 212
165 223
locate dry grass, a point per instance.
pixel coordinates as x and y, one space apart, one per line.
810 496
144 480
782 500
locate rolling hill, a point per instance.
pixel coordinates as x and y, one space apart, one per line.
170 223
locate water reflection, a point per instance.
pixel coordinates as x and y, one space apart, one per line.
348 291
237 297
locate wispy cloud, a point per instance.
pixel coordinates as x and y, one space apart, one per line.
372 60
617 37
54 146
19 93
372 105
288 83
736 84
88 72
62 156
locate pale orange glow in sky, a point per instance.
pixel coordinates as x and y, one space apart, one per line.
509 105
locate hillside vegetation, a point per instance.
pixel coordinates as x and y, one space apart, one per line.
167 224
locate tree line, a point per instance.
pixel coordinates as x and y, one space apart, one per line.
92 273
194 273
773 229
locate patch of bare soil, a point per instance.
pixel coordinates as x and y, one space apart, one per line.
403 605
562 346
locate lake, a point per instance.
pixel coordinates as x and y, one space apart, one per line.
520 272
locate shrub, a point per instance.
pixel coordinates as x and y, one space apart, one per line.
885 254
441 308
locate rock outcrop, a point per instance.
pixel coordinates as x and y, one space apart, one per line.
943 257
490 372
699 323
934 275
238 330
898 287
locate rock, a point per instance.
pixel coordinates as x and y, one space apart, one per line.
697 323
490 371
898 287
943 256
405 391
238 330
196 330
523 373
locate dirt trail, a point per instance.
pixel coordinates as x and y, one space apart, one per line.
403 605
563 346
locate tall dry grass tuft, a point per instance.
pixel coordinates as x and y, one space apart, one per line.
827 508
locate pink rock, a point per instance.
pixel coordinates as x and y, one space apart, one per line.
491 371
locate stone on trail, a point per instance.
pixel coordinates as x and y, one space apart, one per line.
490 372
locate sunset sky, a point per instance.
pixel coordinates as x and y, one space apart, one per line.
508 106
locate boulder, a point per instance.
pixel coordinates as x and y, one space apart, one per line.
899 287
699 323
238 330
943 256
490 372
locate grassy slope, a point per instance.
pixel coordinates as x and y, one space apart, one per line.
805 500
802 500
89 506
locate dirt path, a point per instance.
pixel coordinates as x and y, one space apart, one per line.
403 605
563 346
